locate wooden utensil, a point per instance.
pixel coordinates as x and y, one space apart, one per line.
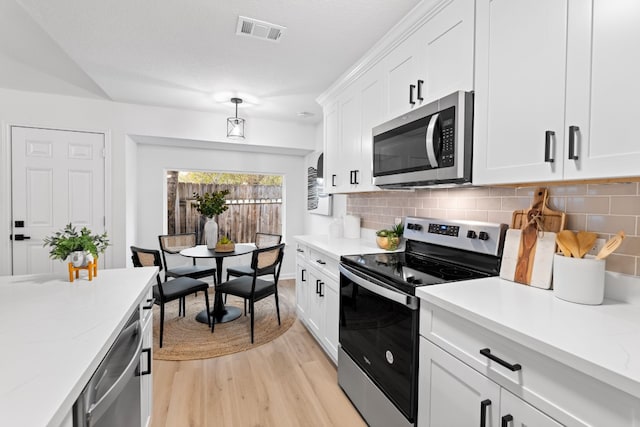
586 240
569 240
551 220
565 251
611 245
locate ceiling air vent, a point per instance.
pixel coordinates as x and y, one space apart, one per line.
259 29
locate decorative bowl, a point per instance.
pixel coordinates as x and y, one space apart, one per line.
225 247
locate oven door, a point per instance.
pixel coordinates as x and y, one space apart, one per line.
379 332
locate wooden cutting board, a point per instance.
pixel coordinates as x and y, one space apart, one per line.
527 262
551 220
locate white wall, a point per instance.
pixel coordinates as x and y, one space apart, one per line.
120 120
154 161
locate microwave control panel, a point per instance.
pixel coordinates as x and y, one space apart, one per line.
448 137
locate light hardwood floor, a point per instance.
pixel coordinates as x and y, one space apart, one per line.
287 382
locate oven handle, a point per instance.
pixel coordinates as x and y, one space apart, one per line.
377 287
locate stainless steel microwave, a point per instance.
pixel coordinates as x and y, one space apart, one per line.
431 145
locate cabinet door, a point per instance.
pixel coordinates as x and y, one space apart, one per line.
302 289
401 67
315 308
451 394
373 102
330 294
447 47
520 90
331 149
349 139
146 381
603 89
515 412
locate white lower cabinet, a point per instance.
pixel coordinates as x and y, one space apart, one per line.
146 360
453 394
463 364
318 297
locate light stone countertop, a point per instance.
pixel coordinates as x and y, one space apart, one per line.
602 341
336 247
54 334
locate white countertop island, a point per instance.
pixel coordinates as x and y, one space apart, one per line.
54 334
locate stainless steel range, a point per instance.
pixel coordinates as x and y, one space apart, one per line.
379 312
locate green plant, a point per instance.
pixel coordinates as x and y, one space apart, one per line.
224 240
69 240
211 204
398 229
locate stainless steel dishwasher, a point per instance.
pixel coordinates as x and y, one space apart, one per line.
112 396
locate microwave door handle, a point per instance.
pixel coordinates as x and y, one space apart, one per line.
430 141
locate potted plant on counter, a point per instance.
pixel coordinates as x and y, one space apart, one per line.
80 247
390 239
211 205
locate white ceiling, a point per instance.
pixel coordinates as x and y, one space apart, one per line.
179 53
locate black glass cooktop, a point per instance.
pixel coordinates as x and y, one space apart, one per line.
406 271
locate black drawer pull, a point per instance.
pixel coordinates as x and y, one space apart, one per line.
487 353
150 302
148 371
506 420
483 412
321 262
300 250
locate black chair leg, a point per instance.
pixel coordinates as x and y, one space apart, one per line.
277 306
206 302
161 322
245 307
251 307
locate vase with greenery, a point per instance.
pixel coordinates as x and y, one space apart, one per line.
211 205
80 247
390 239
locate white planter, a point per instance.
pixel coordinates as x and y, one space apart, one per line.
80 258
211 233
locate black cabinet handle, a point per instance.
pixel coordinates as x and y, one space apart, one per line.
506 420
573 133
350 177
355 177
19 237
148 371
333 180
321 289
411 100
150 302
321 262
317 286
302 278
483 412
420 83
300 250
549 138
487 353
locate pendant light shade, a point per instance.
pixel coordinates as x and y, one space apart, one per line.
235 125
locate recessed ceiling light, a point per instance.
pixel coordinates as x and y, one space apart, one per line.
304 114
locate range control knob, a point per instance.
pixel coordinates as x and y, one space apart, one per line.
410 226
417 227
471 234
483 235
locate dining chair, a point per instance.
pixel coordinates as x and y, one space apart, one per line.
263 240
174 289
173 244
252 288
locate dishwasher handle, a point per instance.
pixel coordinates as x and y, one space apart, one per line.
98 409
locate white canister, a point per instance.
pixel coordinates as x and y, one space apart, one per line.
578 280
351 227
336 228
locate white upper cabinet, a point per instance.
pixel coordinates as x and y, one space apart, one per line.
555 90
446 44
331 148
434 61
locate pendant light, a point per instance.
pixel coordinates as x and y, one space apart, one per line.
235 125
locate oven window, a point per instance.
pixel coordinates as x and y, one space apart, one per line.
380 335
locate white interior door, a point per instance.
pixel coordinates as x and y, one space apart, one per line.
58 177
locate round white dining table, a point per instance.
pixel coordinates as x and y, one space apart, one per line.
220 312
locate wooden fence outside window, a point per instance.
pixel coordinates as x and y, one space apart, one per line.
252 209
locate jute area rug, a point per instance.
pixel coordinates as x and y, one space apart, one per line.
186 339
